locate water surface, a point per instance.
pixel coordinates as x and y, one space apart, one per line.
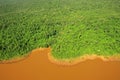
38 67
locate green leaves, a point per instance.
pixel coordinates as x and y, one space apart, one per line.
71 27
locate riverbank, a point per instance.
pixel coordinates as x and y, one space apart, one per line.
38 67
71 61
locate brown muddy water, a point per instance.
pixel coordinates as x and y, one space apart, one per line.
38 67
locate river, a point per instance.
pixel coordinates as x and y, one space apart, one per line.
38 67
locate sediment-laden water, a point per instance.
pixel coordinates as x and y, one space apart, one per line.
38 67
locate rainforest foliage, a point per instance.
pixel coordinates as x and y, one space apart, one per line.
71 28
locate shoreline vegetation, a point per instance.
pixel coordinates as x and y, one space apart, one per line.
72 28
72 61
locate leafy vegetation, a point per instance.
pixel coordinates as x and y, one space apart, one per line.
71 28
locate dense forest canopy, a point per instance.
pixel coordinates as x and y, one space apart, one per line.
71 28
